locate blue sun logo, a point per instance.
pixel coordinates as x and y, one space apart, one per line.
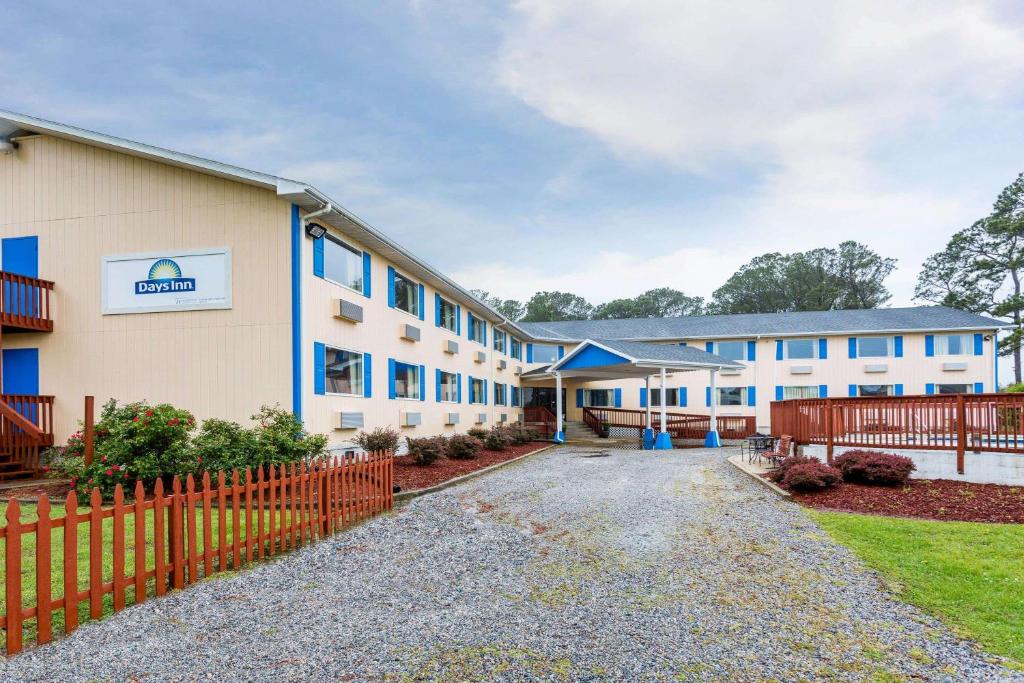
165 278
164 269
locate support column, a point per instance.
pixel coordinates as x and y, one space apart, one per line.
664 441
559 432
648 432
712 440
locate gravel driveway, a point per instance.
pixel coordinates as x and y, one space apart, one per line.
571 565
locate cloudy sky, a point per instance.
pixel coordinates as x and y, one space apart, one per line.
623 144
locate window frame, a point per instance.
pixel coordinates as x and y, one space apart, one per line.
362 371
455 382
471 392
588 393
328 237
889 345
513 343
656 391
968 388
504 394
416 374
476 323
743 349
786 391
814 348
742 397
454 329
415 293
498 334
554 350
942 345
890 391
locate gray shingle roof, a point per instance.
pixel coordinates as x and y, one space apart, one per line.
753 324
643 351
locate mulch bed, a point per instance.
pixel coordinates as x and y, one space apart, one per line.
56 491
411 476
941 499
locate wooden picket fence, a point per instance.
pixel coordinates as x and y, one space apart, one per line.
248 518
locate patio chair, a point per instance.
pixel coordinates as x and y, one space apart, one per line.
781 452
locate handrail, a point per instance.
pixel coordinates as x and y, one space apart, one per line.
22 422
679 425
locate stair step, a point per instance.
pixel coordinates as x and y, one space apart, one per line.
16 474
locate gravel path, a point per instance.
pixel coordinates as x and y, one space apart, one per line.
567 566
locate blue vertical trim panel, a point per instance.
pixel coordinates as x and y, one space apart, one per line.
20 369
423 383
422 306
579 398
437 310
751 396
682 397
391 287
995 363
458 320
979 387
751 350
822 391
366 274
561 352
707 396
529 353
778 349
458 387
643 397
318 257
20 255
319 369
853 390
485 391
898 389
483 325
778 392
979 344
929 345
823 348
897 346
469 325
929 388
437 384
391 377
852 347
367 375
296 313
618 397
709 347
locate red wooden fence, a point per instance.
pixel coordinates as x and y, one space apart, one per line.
253 515
947 422
679 425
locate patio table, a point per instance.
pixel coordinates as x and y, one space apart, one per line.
758 444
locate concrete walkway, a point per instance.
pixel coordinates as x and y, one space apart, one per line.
579 564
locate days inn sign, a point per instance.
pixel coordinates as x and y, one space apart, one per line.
167 281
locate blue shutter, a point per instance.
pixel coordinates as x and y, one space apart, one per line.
682 343
485 392
318 257
366 274
367 375
778 349
319 369
898 389
437 384
751 396
979 344
929 345
529 353
423 383
423 310
391 377
391 287
751 350
469 325
709 347
778 392
823 348
853 390
822 391
707 396
483 328
643 397
579 398
458 320
458 387
897 346
682 397
979 387
437 310
561 351
929 388
852 343
618 398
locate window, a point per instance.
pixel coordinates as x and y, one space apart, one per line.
801 349
673 397
732 396
873 347
344 372
598 398
449 382
476 390
517 348
954 345
731 350
499 341
448 316
954 389
407 297
407 380
545 353
517 398
874 390
477 329
343 265
800 392
499 394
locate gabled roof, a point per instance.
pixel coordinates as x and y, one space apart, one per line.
746 325
603 358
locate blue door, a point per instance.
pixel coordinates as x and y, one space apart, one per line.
20 255
21 376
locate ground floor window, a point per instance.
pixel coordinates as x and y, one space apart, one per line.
672 394
732 396
500 392
800 392
874 390
954 389
598 398
477 387
407 380
516 397
449 383
344 372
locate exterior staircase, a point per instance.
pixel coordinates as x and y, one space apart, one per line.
578 433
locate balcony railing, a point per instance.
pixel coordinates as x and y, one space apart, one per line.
678 425
25 303
26 428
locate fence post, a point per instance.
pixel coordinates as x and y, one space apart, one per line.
12 594
961 432
829 436
323 498
88 432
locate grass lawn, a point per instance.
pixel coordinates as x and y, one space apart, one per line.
970 575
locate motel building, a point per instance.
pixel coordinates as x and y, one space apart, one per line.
139 273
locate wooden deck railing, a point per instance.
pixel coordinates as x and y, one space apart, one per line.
950 422
543 418
679 425
88 563
25 302
26 428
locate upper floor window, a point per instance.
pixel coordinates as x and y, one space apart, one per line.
499 394
343 371
476 390
954 345
800 392
598 398
499 341
477 329
449 383
407 296
732 396
802 349
731 350
874 347
516 348
407 380
545 353
343 264
672 394
448 315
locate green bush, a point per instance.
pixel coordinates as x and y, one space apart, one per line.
477 432
224 445
281 439
426 450
520 434
463 447
1014 388
379 439
497 439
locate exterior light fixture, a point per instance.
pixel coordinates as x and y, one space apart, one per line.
315 230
